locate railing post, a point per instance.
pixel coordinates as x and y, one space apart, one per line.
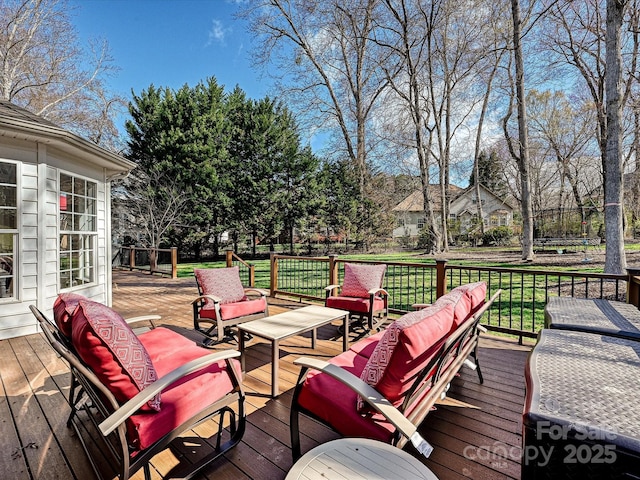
273 282
229 254
174 262
633 286
333 269
252 275
441 278
132 258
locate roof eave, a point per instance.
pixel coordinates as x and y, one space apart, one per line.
114 165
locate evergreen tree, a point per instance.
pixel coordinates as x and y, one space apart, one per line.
490 173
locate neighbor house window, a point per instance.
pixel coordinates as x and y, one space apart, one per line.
421 223
78 231
8 228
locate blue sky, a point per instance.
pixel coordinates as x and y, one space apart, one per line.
168 43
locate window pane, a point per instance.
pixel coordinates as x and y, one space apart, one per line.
65 280
8 218
78 204
91 189
6 265
64 202
7 172
66 183
78 187
91 206
8 196
66 221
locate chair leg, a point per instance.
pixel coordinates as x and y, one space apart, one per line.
294 418
474 354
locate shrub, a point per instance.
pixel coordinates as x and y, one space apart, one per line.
497 236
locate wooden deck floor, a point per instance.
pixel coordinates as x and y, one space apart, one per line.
476 433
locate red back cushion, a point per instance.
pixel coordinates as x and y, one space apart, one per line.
221 282
359 279
405 348
476 292
108 346
63 309
461 306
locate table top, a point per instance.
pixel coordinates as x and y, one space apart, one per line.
587 382
358 459
593 315
291 323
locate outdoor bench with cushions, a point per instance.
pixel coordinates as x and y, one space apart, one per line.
132 395
384 386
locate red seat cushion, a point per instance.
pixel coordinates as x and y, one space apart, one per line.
63 309
335 403
406 347
235 310
367 345
184 399
108 346
359 279
354 304
223 283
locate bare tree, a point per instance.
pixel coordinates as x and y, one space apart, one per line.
323 48
521 153
563 128
44 69
615 260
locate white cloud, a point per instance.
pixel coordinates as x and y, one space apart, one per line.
218 32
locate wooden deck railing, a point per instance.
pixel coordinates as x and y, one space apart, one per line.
247 270
519 311
153 260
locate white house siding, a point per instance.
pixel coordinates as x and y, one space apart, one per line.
36 261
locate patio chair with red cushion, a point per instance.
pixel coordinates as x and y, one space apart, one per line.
134 396
223 302
361 294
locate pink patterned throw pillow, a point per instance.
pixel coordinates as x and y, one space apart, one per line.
221 282
108 346
359 279
63 309
404 349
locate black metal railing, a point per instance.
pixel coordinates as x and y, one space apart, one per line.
519 310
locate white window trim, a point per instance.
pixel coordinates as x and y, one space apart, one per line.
16 236
92 233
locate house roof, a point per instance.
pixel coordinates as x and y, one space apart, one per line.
415 201
16 122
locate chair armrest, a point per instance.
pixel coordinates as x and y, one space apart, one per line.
133 405
213 298
381 291
373 398
330 289
144 318
259 291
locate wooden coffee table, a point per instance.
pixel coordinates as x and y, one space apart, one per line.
285 325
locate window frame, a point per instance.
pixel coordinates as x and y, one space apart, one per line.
12 280
81 251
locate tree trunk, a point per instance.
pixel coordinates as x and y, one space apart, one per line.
523 159
615 260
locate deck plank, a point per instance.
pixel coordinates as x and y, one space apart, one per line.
470 433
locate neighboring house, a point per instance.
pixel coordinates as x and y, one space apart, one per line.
55 217
463 209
